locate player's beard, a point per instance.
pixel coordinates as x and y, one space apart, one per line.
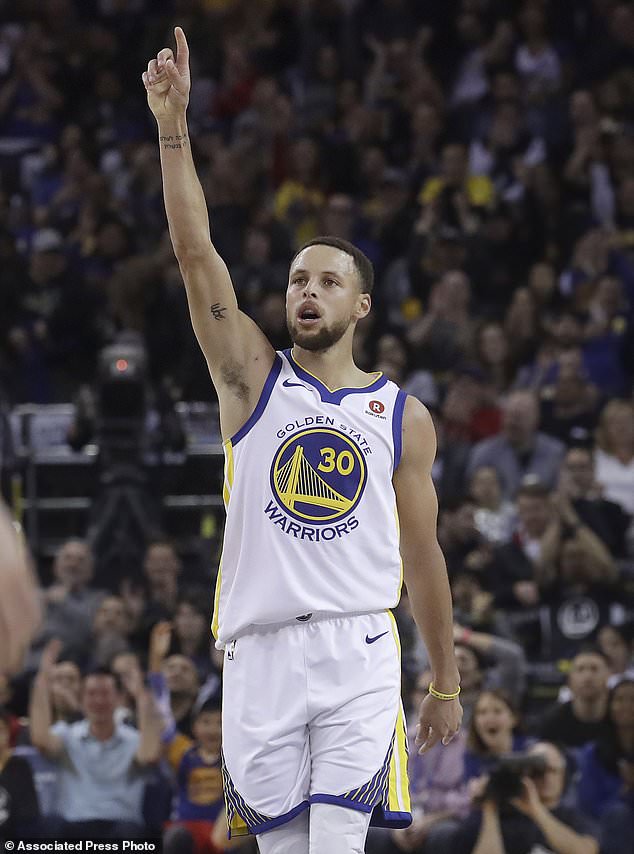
324 339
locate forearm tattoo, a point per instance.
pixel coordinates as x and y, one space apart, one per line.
218 311
174 141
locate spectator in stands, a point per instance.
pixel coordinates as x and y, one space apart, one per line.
539 67
101 763
156 600
607 333
614 456
582 598
606 765
530 566
525 563
542 283
127 668
470 410
522 326
617 824
19 810
615 642
450 464
183 684
70 602
520 449
492 352
535 821
65 692
54 340
110 630
442 338
455 197
474 606
493 732
463 545
577 482
161 567
587 181
569 404
488 663
494 516
258 275
191 629
299 200
584 717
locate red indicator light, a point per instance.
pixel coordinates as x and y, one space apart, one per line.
121 365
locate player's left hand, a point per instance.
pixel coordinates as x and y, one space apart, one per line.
438 720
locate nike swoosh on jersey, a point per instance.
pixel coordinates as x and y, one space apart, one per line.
368 639
289 384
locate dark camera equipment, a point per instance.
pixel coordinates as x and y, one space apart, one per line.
121 401
126 512
505 778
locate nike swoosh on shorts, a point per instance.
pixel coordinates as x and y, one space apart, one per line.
368 639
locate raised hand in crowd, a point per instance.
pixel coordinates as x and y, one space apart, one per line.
160 641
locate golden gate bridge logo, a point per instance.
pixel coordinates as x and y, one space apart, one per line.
319 475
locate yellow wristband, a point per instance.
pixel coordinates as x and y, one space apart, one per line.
439 695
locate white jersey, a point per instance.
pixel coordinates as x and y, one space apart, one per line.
311 523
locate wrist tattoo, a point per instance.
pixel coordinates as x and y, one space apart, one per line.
218 311
176 141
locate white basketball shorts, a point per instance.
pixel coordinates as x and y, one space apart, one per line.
312 714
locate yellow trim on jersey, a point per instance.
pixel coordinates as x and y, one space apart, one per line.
378 376
238 826
400 556
229 472
398 793
215 620
226 495
395 632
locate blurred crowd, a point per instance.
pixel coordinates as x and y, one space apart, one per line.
481 153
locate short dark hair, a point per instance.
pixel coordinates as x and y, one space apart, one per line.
212 705
104 672
533 489
590 649
361 261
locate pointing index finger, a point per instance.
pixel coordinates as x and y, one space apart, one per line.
182 51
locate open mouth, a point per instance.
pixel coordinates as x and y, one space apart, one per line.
308 316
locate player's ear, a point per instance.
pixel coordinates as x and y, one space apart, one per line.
364 305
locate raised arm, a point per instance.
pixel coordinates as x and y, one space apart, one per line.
150 723
425 572
238 354
40 711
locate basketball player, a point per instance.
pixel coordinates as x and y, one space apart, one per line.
19 602
323 462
